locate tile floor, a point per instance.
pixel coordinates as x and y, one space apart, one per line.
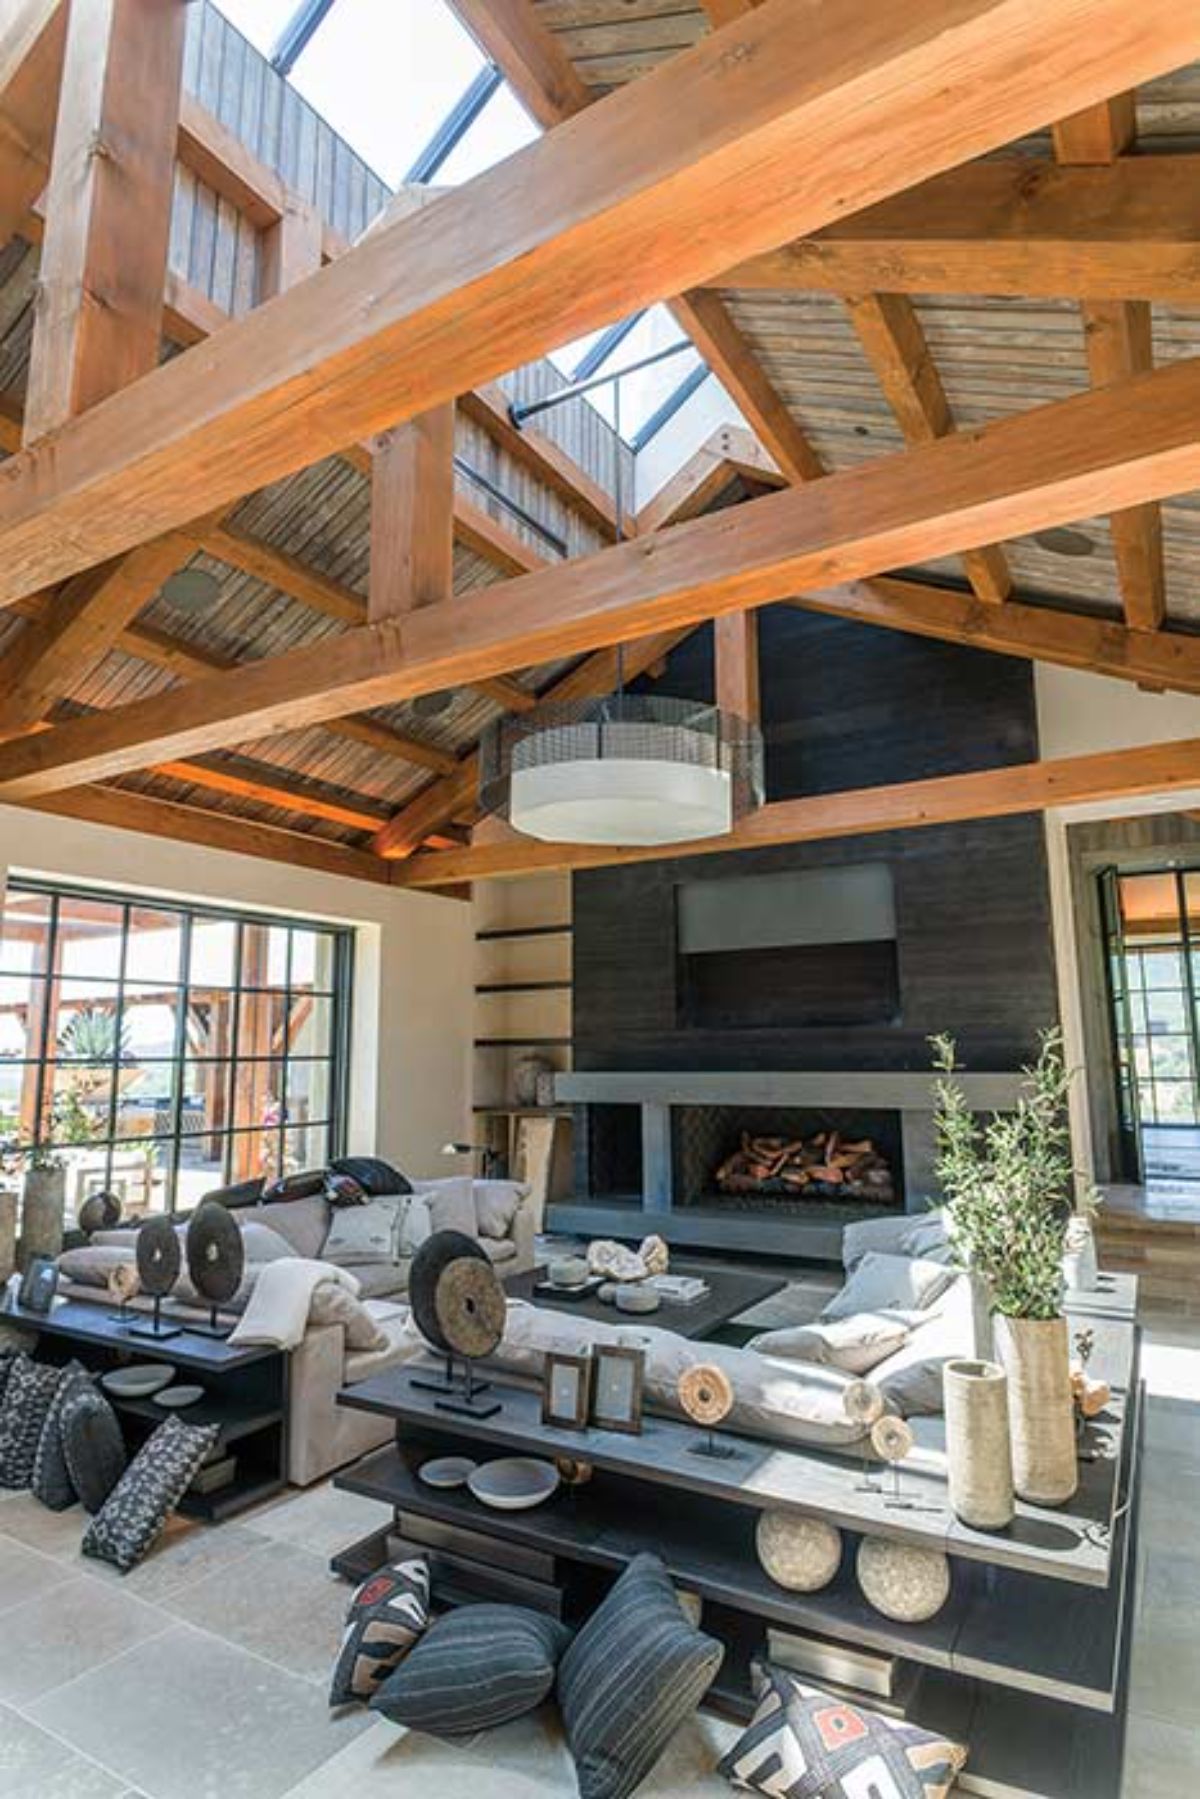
202 1674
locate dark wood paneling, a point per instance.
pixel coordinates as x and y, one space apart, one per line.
847 706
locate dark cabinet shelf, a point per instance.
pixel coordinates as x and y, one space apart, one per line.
523 987
522 1043
528 930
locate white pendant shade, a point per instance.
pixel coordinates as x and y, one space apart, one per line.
620 800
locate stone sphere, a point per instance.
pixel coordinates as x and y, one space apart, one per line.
801 1554
904 1583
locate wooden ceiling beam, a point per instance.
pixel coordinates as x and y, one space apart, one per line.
1119 343
266 788
412 516
1098 451
729 454
735 657
622 205
906 806
895 344
32 38
1013 225
535 65
488 405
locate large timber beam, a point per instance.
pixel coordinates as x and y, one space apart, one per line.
906 806
32 36
1095 452
1015 225
624 204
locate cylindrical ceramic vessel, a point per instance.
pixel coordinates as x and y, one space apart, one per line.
42 1202
1041 1413
978 1444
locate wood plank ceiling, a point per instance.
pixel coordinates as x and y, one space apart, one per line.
833 376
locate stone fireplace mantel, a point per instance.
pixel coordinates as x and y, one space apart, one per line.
910 1096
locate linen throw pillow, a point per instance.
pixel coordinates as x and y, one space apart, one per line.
803 1744
28 1395
387 1616
496 1205
93 1445
852 1344
890 1284
135 1513
635 1672
52 1482
475 1669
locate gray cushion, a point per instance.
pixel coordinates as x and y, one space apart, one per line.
366 1233
474 1670
133 1516
93 1445
501 1249
882 1283
854 1344
908 1234
496 1205
911 1380
52 1482
634 1674
28 1395
380 1280
386 1617
301 1222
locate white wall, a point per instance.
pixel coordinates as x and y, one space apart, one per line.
412 1014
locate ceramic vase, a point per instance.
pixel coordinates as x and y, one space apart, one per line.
978 1443
43 1201
1081 1268
1036 1357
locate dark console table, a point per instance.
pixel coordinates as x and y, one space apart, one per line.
731 1291
245 1391
1026 1662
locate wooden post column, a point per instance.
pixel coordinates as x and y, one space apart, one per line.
736 650
104 257
412 516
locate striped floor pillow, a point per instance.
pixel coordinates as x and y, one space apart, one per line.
636 1672
476 1668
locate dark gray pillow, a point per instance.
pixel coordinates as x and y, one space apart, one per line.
634 1674
93 1444
52 1482
372 1173
474 1669
387 1615
135 1512
28 1394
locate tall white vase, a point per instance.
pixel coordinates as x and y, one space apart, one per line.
1036 1356
978 1443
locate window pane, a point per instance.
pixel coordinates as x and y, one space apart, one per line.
22 1003
307 1147
1149 905
89 937
213 960
253 1154
207 1098
1170 1058
264 955
309 1092
313 960
502 127
146 1100
1175 1102
257 1094
154 952
261 1024
85 1027
1164 968
643 393
149 1027
18 1099
78 1100
209 1022
1167 1011
25 932
310 1025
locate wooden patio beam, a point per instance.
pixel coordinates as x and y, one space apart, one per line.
612 210
906 806
1098 451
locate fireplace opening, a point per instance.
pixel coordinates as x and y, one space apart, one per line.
789 1159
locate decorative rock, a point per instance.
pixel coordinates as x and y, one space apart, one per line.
568 1271
607 1294
906 1584
706 1393
618 1262
631 1298
801 1554
99 1212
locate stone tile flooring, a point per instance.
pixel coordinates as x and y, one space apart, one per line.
202 1675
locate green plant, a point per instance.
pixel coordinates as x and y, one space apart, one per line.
70 1121
92 1035
1009 1181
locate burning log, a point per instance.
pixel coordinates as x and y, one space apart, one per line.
822 1166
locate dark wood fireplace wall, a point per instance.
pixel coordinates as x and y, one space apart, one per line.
843 706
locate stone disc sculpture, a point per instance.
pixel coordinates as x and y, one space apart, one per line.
456 1296
216 1254
801 1554
904 1583
706 1394
158 1257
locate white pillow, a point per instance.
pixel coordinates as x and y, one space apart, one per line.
911 1380
890 1284
907 1234
365 1233
452 1205
496 1205
852 1344
262 1244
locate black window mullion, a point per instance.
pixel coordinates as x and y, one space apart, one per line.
181 1022
49 1008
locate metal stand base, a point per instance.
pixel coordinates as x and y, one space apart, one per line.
212 1328
469 1408
716 1447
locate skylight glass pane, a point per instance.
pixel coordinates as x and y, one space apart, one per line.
384 74
502 127
642 394
568 356
261 21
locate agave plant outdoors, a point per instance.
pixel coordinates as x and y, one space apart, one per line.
1009 1181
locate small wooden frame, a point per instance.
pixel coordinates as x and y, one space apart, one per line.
566 1390
617 1384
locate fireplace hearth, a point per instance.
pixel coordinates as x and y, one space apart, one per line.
823 1166
786 1159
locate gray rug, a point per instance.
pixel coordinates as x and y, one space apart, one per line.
800 1302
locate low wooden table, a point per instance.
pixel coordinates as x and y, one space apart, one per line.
730 1293
245 1390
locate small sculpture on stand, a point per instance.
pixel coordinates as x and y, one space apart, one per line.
706 1395
458 1305
158 1261
863 1403
216 1259
124 1284
892 1440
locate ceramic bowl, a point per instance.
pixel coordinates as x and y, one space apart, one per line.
514 1483
137 1381
447 1471
179 1395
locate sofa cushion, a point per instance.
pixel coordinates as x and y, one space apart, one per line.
92 1444
809 1745
304 1223
498 1249
365 1233
910 1234
392 1320
381 1280
853 1344
28 1396
52 1483
636 1671
344 1190
371 1172
135 1513
387 1615
263 1244
496 1205
91 1264
451 1204
334 1304
882 1283
911 1379
475 1669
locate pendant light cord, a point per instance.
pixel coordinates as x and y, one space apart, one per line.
618 522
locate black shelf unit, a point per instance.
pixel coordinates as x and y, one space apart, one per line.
523 987
527 930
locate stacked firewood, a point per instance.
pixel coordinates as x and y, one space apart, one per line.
825 1166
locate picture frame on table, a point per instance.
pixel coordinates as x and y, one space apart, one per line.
566 1390
618 1384
39 1284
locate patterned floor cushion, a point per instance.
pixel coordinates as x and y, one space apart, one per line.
135 1512
636 1671
475 1669
28 1395
52 1482
803 1744
93 1444
387 1615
